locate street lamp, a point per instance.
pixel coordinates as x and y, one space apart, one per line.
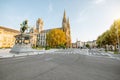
117 38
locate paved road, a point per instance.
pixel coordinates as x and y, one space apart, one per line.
59 66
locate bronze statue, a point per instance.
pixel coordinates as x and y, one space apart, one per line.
24 26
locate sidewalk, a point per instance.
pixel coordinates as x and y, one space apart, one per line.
4 53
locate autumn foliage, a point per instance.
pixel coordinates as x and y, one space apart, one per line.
56 38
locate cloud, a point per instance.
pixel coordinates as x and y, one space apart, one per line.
50 7
98 1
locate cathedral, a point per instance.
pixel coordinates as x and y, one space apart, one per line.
40 39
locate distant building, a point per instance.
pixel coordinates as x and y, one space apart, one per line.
92 44
79 44
74 45
7 38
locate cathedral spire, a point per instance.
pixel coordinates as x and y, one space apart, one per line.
68 22
66 29
64 16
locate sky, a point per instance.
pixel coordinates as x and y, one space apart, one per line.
88 18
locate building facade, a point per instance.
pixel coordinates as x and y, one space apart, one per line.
79 44
41 36
74 45
7 38
92 44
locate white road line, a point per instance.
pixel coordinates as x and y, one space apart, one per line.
117 58
103 54
109 55
48 59
19 57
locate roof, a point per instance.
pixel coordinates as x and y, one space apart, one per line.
47 30
9 29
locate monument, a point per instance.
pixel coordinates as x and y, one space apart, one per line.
23 40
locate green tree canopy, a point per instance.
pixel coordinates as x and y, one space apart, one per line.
109 37
87 45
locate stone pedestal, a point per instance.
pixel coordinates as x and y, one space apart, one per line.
22 44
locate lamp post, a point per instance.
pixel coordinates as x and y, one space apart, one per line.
117 38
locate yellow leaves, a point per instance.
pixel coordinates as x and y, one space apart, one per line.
55 38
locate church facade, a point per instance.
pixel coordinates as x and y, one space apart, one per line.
41 34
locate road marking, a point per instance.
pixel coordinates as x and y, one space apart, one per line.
117 58
48 59
19 57
84 52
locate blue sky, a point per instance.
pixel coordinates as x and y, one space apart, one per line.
88 18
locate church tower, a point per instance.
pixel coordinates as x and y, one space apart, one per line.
64 22
68 33
39 25
66 29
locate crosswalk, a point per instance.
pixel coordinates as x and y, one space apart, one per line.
88 52
83 52
98 53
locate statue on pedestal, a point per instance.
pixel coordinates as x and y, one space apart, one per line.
22 42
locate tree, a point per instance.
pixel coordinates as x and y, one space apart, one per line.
109 37
87 45
56 38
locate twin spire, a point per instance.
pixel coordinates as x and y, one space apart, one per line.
65 20
64 17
